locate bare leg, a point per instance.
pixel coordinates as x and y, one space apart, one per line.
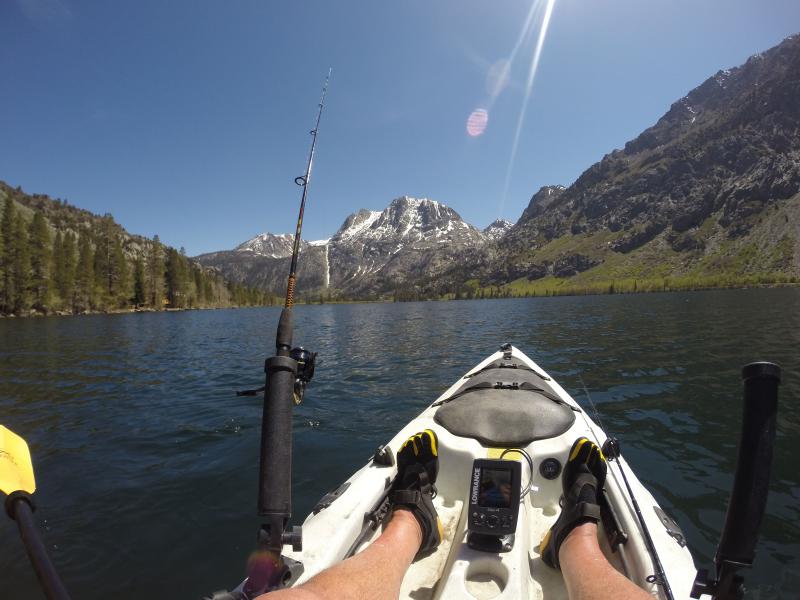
376 572
587 573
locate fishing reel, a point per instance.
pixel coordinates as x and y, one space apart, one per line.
306 362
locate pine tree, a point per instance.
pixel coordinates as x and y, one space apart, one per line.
189 297
155 274
40 263
119 274
57 265
66 289
7 230
103 244
199 289
139 293
84 276
175 278
21 268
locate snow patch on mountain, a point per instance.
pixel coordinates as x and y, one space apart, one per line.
355 224
269 244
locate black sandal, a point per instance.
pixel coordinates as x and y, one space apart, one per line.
586 466
414 487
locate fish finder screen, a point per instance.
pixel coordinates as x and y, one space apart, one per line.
495 488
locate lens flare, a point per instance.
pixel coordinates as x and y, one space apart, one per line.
264 571
477 122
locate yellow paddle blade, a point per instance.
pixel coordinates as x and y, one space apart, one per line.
16 468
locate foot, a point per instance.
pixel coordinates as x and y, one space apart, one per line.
414 487
582 480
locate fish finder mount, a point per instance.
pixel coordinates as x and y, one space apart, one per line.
494 497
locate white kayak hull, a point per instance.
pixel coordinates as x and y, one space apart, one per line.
456 571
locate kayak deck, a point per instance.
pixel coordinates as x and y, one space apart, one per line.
501 421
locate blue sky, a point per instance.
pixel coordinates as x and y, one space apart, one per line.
190 118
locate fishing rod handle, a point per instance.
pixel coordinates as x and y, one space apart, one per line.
285 333
21 509
754 462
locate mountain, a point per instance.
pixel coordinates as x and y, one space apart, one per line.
710 190
372 253
497 229
269 244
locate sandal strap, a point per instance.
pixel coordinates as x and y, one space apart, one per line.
584 479
410 498
578 514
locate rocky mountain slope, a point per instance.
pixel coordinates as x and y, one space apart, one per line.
712 188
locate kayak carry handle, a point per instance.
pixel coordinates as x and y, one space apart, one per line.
737 547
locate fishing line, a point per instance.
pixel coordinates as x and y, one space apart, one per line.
660 577
591 403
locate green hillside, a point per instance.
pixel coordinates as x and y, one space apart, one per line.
56 258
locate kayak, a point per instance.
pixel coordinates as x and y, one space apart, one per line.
505 408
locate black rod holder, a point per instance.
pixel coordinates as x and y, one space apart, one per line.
275 474
737 546
748 500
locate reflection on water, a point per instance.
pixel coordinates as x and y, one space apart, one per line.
147 462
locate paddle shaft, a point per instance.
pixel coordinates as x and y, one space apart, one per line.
48 577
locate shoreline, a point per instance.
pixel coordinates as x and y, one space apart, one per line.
33 314
567 292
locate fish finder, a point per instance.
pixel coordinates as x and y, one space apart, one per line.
494 496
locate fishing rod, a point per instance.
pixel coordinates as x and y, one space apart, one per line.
287 373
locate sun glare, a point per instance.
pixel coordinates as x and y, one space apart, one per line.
545 6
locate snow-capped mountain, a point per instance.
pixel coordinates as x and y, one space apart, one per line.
273 245
269 244
373 251
497 229
411 237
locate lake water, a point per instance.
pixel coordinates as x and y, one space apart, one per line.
146 461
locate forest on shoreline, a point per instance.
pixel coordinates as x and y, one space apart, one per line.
58 264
